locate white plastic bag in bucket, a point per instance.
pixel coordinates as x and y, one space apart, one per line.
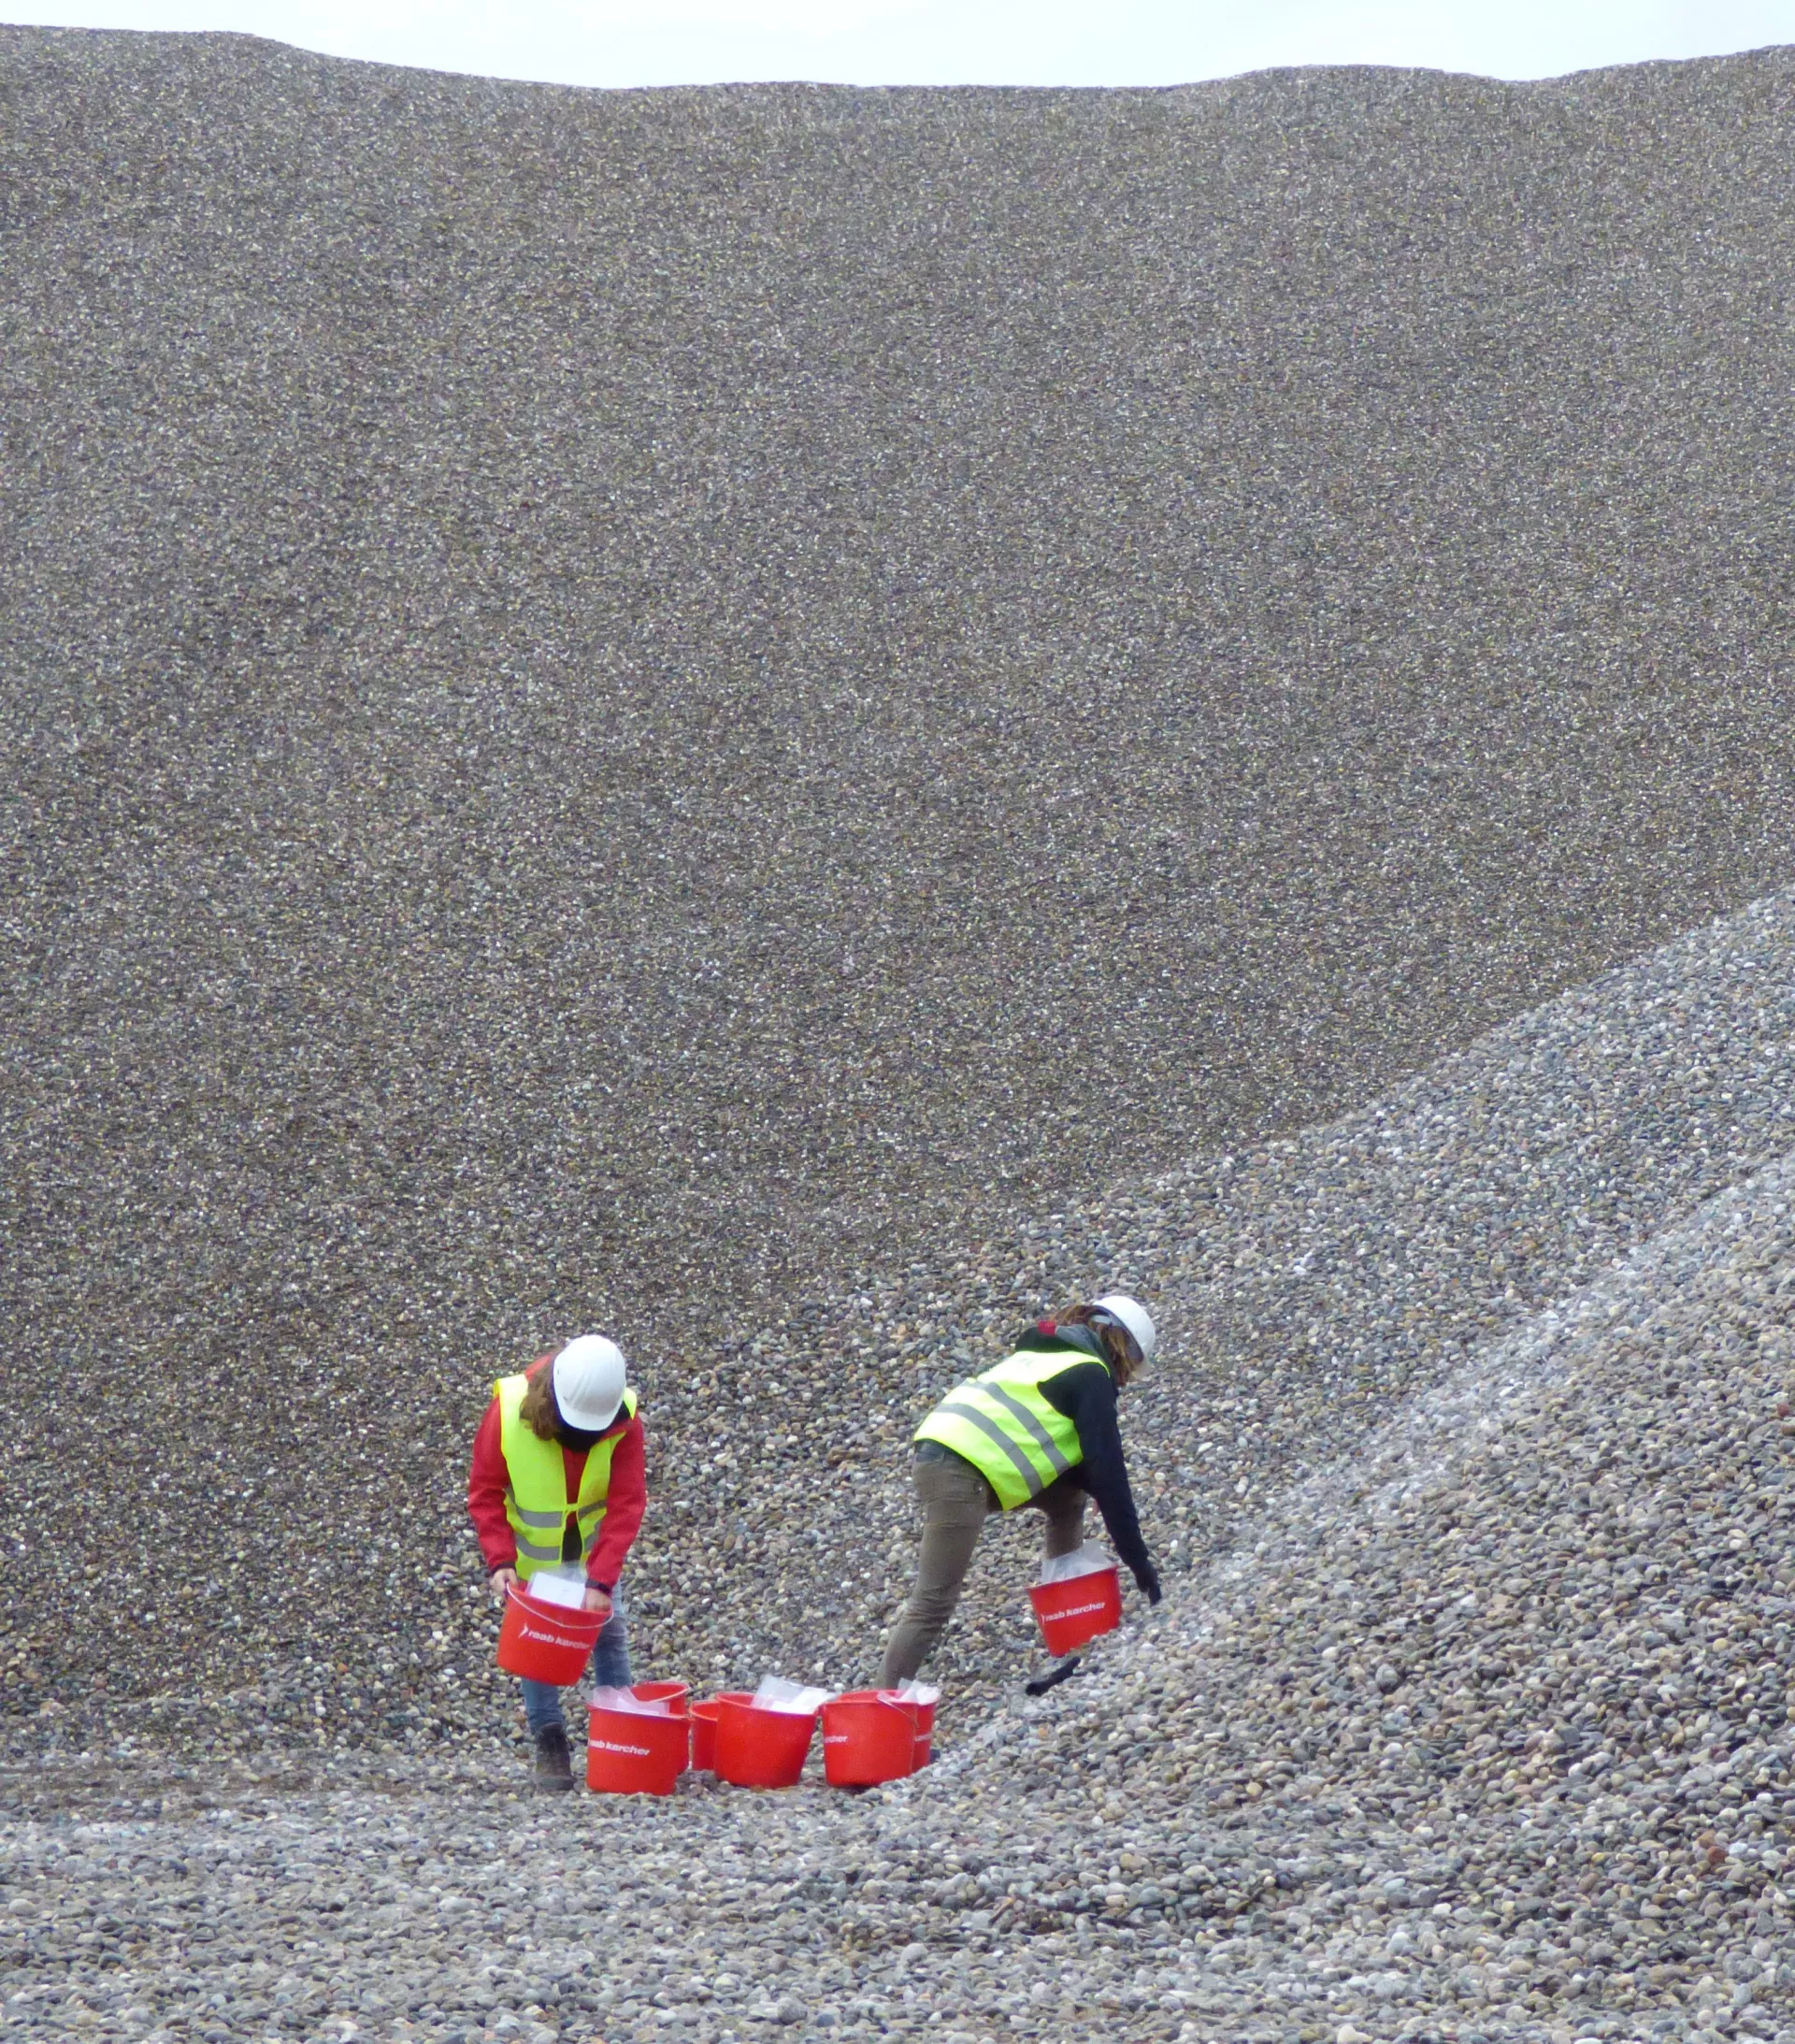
913 1691
1065 1568
776 1694
633 1706
566 1587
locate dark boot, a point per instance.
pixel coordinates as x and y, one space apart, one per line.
554 1763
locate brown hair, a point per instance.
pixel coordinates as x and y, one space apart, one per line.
1116 1342
539 1411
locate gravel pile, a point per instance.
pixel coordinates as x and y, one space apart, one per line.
1479 1731
591 688
667 710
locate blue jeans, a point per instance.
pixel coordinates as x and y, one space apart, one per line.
609 1669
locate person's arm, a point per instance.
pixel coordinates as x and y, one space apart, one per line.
1087 1395
625 1505
487 1481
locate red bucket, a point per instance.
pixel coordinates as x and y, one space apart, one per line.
1071 1613
868 1735
627 1754
761 1748
704 1729
546 1642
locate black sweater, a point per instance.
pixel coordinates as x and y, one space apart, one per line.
1085 1393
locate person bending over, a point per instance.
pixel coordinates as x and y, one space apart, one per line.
1038 1429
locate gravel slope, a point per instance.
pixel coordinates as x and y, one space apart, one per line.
670 709
1305 1288
1479 1730
574 669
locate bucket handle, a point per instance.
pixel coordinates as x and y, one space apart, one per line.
518 1593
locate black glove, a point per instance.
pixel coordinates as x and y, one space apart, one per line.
1147 1579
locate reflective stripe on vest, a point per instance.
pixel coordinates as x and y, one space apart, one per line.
535 1499
1005 1426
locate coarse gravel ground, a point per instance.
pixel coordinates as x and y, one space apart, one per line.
667 710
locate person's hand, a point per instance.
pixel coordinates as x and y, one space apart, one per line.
1148 1581
504 1579
597 1600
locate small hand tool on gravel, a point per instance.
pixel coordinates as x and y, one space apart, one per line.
1054 1676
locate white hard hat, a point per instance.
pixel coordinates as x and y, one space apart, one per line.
589 1383
1134 1317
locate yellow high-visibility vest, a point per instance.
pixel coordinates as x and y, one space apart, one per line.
1007 1429
536 1498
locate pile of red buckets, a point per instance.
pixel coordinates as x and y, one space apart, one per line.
639 1742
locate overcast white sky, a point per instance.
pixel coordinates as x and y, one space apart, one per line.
955 42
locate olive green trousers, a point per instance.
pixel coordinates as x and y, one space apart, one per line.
955 1501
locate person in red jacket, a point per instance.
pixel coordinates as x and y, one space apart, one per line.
559 1478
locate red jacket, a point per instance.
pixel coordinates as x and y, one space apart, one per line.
489 1479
